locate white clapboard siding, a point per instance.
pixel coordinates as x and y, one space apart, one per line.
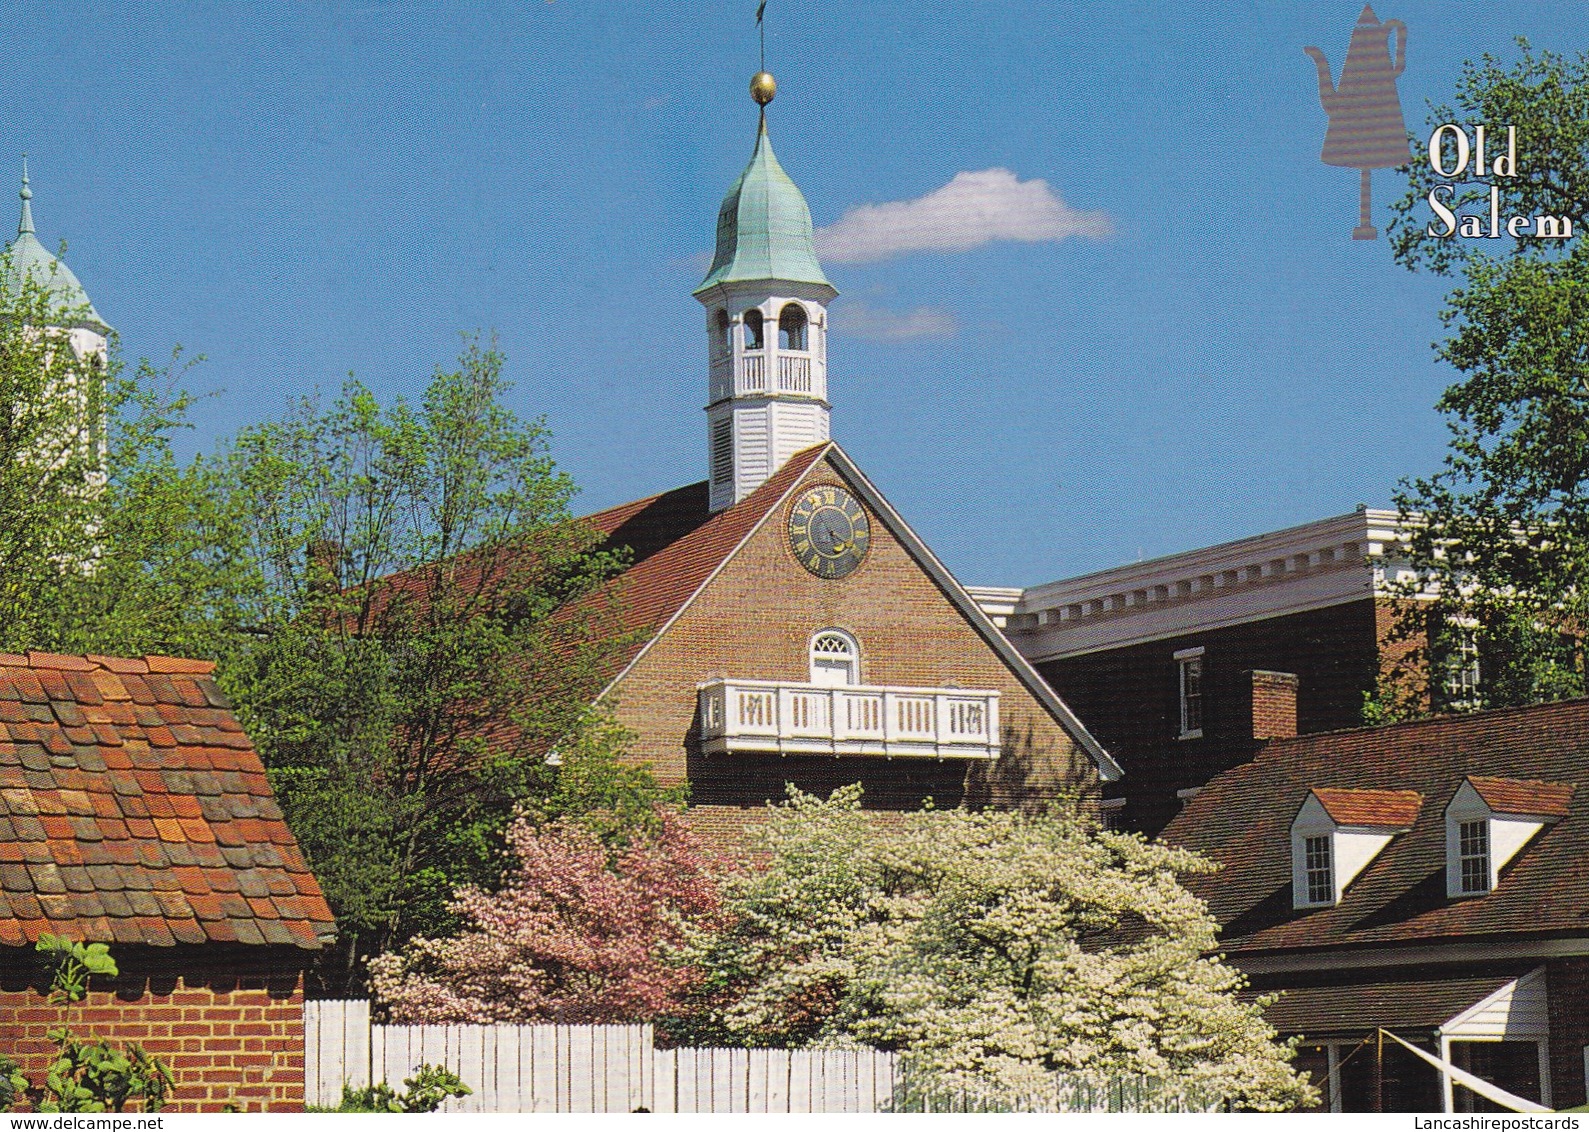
1517 1011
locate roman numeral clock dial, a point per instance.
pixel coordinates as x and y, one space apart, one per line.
828 531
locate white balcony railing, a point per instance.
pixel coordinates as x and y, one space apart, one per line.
752 373
808 719
794 373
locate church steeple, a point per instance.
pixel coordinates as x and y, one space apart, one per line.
766 302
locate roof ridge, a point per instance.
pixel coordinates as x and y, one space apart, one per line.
1450 719
90 662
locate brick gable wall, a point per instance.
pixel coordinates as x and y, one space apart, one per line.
755 620
229 1027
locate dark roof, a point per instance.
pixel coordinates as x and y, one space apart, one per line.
1390 809
133 809
1343 1006
1242 819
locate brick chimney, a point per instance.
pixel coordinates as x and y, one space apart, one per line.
1273 704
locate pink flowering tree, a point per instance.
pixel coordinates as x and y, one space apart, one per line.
581 931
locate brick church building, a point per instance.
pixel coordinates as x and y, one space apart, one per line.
788 625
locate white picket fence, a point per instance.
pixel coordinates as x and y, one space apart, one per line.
549 1068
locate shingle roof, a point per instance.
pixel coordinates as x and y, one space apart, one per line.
677 544
1344 1005
1242 820
1515 796
1391 809
133 809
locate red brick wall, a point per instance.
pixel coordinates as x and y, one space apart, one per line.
1401 670
1567 990
234 1035
1274 705
755 620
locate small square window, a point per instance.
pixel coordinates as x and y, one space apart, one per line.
1473 855
1320 871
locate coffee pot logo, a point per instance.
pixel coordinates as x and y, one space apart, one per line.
1366 129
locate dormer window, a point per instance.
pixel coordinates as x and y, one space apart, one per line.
1473 856
1489 820
1337 833
1317 860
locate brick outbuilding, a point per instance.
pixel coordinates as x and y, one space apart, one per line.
134 811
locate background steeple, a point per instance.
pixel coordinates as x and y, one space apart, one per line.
766 300
30 259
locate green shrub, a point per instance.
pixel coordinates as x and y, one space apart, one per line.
423 1092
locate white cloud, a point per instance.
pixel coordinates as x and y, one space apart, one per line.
971 210
860 320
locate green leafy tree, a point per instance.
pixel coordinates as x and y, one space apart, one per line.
416 643
1501 532
997 951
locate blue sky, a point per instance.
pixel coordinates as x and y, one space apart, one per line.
297 191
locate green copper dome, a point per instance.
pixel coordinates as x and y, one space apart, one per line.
29 258
764 227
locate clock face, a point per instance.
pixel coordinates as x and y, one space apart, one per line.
828 531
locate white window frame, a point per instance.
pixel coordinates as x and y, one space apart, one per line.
1463 671
1318 867
1481 859
1189 662
852 649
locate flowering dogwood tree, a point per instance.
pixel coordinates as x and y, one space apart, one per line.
997 950
581 931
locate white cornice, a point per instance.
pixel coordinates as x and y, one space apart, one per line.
1313 566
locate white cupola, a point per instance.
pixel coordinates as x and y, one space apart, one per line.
766 317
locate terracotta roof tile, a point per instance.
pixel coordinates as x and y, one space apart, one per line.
1521 756
132 806
179 664
54 663
1523 796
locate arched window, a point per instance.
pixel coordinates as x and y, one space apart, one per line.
792 327
835 661
720 340
753 329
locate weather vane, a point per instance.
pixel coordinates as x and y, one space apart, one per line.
762 86
761 29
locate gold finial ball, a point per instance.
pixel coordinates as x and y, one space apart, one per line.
763 87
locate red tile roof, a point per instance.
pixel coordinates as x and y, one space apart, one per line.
1242 819
1389 809
677 544
1519 796
133 809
